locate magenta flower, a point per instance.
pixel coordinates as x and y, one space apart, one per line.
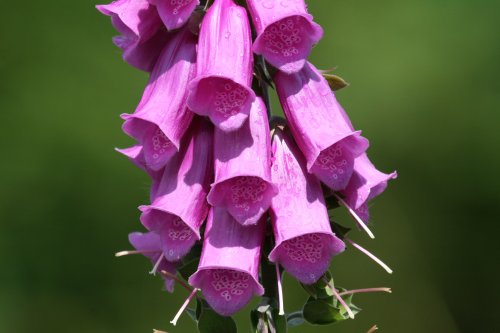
148 244
179 206
243 168
366 183
142 37
304 240
319 126
228 273
162 117
175 13
285 32
221 89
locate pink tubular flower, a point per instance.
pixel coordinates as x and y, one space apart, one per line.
285 32
228 273
142 37
366 183
148 244
179 206
243 168
162 117
221 89
175 13
305 243
319 126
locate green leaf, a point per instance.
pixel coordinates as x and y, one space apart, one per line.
295 319
210 321
327 311
335 82
320 289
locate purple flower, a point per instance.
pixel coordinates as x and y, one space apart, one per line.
175 13
142 37
243 168
305 243
148 244
366 183
162 117
319 126
221 89
285 32
228 273
179 207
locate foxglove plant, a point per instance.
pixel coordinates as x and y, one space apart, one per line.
206 137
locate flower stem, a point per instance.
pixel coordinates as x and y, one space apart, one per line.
356 216
339 298
155 267
372 256
179 281
373 329
367 290
184 306
126 253
280 291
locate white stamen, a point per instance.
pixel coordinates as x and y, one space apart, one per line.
126 253
356 216
367 290
184 306
344 304
280 291
377 260
155 268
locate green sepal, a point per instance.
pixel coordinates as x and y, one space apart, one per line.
322 288
335 82
327 311
295 319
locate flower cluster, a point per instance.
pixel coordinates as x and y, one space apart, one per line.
221 177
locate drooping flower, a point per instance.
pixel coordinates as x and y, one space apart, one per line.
243 183
175 13
285 32
141 34
162 116
366 183
179 207
228 273
304 239
319 126
149 245
221 89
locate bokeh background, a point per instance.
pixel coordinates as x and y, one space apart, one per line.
425 89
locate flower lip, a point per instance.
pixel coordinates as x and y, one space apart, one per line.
177 237
226 290
334 165
226 102
287 42
246 197
307 257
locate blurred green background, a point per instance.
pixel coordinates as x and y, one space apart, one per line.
425 89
